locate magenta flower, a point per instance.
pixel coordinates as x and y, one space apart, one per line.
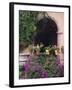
36 68
61 67
44 74
60 70
58 60
29 59
26 67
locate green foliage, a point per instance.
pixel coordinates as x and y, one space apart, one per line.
27 26
42 59
34 74
51 68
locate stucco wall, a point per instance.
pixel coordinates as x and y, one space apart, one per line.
59 19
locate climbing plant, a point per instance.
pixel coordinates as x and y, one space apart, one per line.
27 26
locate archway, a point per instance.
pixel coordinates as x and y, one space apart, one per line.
46 32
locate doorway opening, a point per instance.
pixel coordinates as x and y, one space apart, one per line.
46 32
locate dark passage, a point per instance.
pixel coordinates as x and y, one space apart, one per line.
46 32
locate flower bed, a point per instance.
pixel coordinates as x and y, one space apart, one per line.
41 66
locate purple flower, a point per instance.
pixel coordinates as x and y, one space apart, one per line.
58 60
37 68
29 58
44 74
60 72
26 67
61 67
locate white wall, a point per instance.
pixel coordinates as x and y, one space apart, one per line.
4 44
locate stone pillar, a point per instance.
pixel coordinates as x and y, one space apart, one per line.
60 38
60 44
